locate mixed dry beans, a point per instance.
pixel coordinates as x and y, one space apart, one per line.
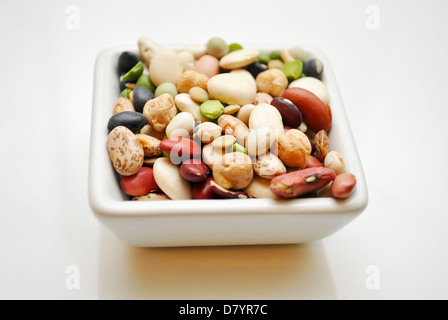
219 121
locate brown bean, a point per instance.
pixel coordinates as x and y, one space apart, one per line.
316 113
321 144
343 185
194 170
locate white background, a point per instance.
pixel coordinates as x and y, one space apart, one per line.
393 82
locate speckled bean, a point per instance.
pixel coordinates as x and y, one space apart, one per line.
125 151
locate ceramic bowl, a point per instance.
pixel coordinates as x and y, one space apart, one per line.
214 222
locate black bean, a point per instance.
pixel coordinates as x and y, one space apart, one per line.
140 96
134 121
255 68
122 85
126 61
313 68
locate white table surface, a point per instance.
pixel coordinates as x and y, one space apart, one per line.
393 81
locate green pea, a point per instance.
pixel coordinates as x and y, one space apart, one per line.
166 87
134 73
275 55
234 47
126 93
292 69
217 47
264 58
212 109
239 148
145 81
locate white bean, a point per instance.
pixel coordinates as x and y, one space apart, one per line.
170 181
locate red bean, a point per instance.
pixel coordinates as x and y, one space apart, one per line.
140 183
180 149
297 183
343 185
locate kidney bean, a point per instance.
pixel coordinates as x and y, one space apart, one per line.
203 190
194 170
316 113
140 183
291 115
297 183
228 194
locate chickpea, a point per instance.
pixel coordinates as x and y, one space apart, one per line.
272 81
235 171
294 148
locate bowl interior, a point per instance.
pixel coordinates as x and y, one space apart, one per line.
107 198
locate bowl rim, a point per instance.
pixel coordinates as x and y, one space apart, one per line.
102 204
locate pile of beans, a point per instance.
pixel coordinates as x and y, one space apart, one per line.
219 121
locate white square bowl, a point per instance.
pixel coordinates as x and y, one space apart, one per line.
214 222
